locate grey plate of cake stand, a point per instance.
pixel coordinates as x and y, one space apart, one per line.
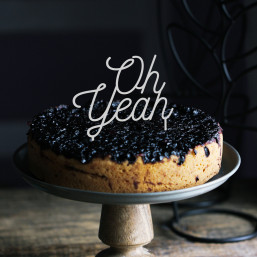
126 222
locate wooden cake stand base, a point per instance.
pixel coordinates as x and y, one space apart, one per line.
126 229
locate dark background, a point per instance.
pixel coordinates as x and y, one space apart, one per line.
51 50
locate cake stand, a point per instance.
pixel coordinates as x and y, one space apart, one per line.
126 221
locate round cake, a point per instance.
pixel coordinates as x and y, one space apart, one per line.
126 157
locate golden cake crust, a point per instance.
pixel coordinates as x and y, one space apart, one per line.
105 175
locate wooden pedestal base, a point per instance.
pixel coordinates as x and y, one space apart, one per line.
126 228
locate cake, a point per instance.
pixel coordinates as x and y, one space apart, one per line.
126 157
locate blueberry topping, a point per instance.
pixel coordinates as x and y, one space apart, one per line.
63 129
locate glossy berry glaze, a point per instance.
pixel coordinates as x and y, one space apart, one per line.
63 130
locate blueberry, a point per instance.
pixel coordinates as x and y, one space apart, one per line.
153 160
166 154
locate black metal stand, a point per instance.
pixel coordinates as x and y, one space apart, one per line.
178 216
211 42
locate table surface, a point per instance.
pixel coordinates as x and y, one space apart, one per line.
33 223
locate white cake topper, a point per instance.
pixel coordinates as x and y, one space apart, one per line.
126 102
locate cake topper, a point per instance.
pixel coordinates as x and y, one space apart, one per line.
93 131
